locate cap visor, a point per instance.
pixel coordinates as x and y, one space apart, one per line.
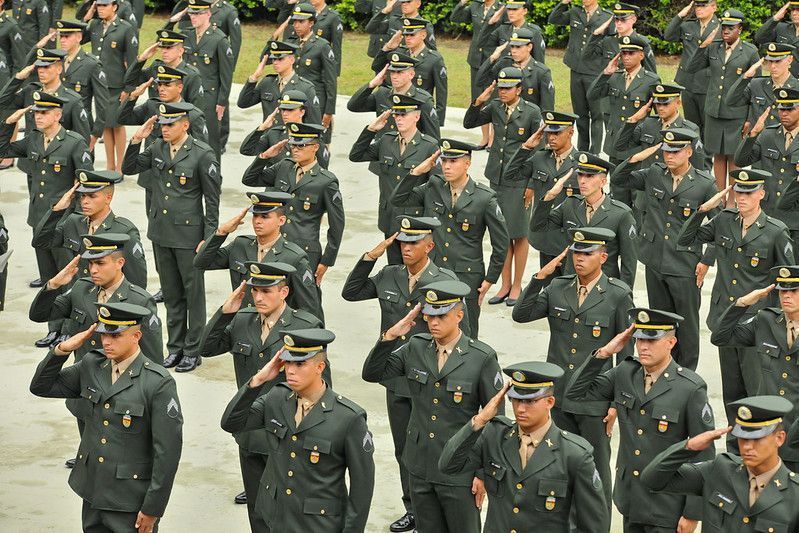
741 433
666 147
663 99
108 328
437 310
91 188
262 209
91 254
451 155
747 188
554 128
577 247
286 355
650 334
167 120
730 23
301 16
411 237
506 84
289 106
261 282
516 395
41 63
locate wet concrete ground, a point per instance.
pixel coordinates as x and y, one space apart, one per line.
37 434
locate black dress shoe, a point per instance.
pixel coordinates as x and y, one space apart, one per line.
497 300
158 297
70 463
172 359
510 302
241 498
37 283
47 340
405 523
188 363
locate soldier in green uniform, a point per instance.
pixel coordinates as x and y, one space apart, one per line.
513 120
725 60
33 18
245 331
398 288
740 494
327 26
88 11
748 243
450 377
496 33
60 227
467 210
778 30
266 245
270 89
12 43
315 193
691 29
314 435
208 49
658 403
582 21
477 13
115 44
775 149
672 191
185 210
605 41
592 208
396 152
386 23
131 445
554 486
584 311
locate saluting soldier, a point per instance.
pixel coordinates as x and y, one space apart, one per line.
584 311
12 44
513 120
778 30
386 23
327 26
396 153
131 445
467 210
267 245
775 149
185 210
270 89
398 288
252 335
477 13
751 492
672 191
88 11
496 33
582 21
224 16
34 19
535 472
748 243
450 377
691 29
592 208
314 435
605 41
658 403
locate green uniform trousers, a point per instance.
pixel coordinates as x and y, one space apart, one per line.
97 521
590 122
631 527
252 469
399 415
678 294
740 377
443 508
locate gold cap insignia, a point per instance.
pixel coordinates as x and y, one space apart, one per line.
626 40
396 99
40 52
578 236
431 296
87 242
288 340
395 57
406 22
744 413
502 74
164 34
617 6
643 317
161 69
514 36
519 376
104 312
784 272
83 176
669 136
60 24
583 158
36 95
445 145
162 108
726 13
254 269
660 89
772 47
274 45
254 199
550 116
743 176
295 128
406 223
783 94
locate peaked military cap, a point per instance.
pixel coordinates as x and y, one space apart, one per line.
758 416
452 149
302 344
590 239
268 274
776 51
43 101
302 133
588 163
675 139
169 38
402 103
169 113
200 6
516 4
651 324
509 77
787 98
749 180
413 25
521 36
119 316
555 121
732 17
532 380
786 277
95 180
268 201
441 296
666 92
634 43
400 61
46 57
622 11
414 229
167 74
292 99
100 245
70 26
303 11
282 48
105 2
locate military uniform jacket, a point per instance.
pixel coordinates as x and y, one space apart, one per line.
192 82
327 26
675 408
12 43
267 93
240 334
722 484
788 201
315 195
117 48
379 100
63 229
52 171
383 26
581 28
224 17
634 137
623 102
316 62
610 214
86 77
125 12
131 114
459 239
392 167
560 476
213 57
759 92
441 402
34 20
688 32
743 263
180 187
303 294
767 152
537 86
576 330
602 48
664 213
331 439
476 14
509 134
130 447
494 35
257 141
772 31
78 305
743 56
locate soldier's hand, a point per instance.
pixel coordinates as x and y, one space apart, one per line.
479 491
179 15
528 198
259 70
66 199
710 37
92 142
612 66
646 153
490 409
715 200
751 71
704 440
609 420
404 326
760 125
497 16
641 114
47 38
199 245
394 42
687 525
604 27
233 301
379 78
25 72
389 7
145 523
123 96
549 269
781 12
482 291
327 119
555 190
484 96
269 121
65 275
380 249
148 53
321 270
14 117
701 272
616 344
273 150
270 371
535 139
427 165
77 340
754 296
231 225
747 127
220 111
90 12
684 12
138 91
144 130
498 52
379 122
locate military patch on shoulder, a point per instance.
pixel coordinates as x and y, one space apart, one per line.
307 277
707 414
596 481
172 409
788 249
368 442
498 381
154 322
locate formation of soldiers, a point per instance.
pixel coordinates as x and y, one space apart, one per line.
681 175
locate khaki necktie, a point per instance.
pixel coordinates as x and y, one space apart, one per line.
115 374
754 491
412 281
526 448
788 139
676 183
791 335
508 113
47 142
102 296
303 407
90 228
727 54
744 228
443 355
173 151
402 145
262 251
628 79
648 381
266 327
300 174
281 84
558 162
454 197
582 294
589 212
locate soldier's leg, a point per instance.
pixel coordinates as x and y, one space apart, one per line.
687 299
620 193
430 517
598 118
174 297
461 513
732 386
212 123
194 289
119 522
580 106
48 267
473 79
592 429
751 369
91 519
399 415
252 468
224 129
693 106
474 316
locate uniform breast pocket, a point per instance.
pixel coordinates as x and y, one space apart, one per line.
597 325
239 267
309 201
187 219
318 450
459 392
242 349
724 241
58 163
759 101
439 208
540 175
648 138
185 177
416 379
722 507
609 54
78 315
614 92
282 184
758 257
388 296
687 207
769 355
387 161
665 420
771 153
267 97
128 417
623 401
72 244
764 524
275 428
552 496
563 314
494 474
656 193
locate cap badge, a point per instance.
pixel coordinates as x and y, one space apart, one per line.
726 13
660 89
162 108
519 376
502 74
744 413
617 6
583 158
40 52
396 99
783 94
164 34
669 136
254 269
395 57
643 317
406 223
295 128
406 22
87 242
431 296
274 45
578 236
288 340
772 47
104 312
161 69
743 176
550 116
784 272
445 145
514 36
626 40
83 176
37 95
